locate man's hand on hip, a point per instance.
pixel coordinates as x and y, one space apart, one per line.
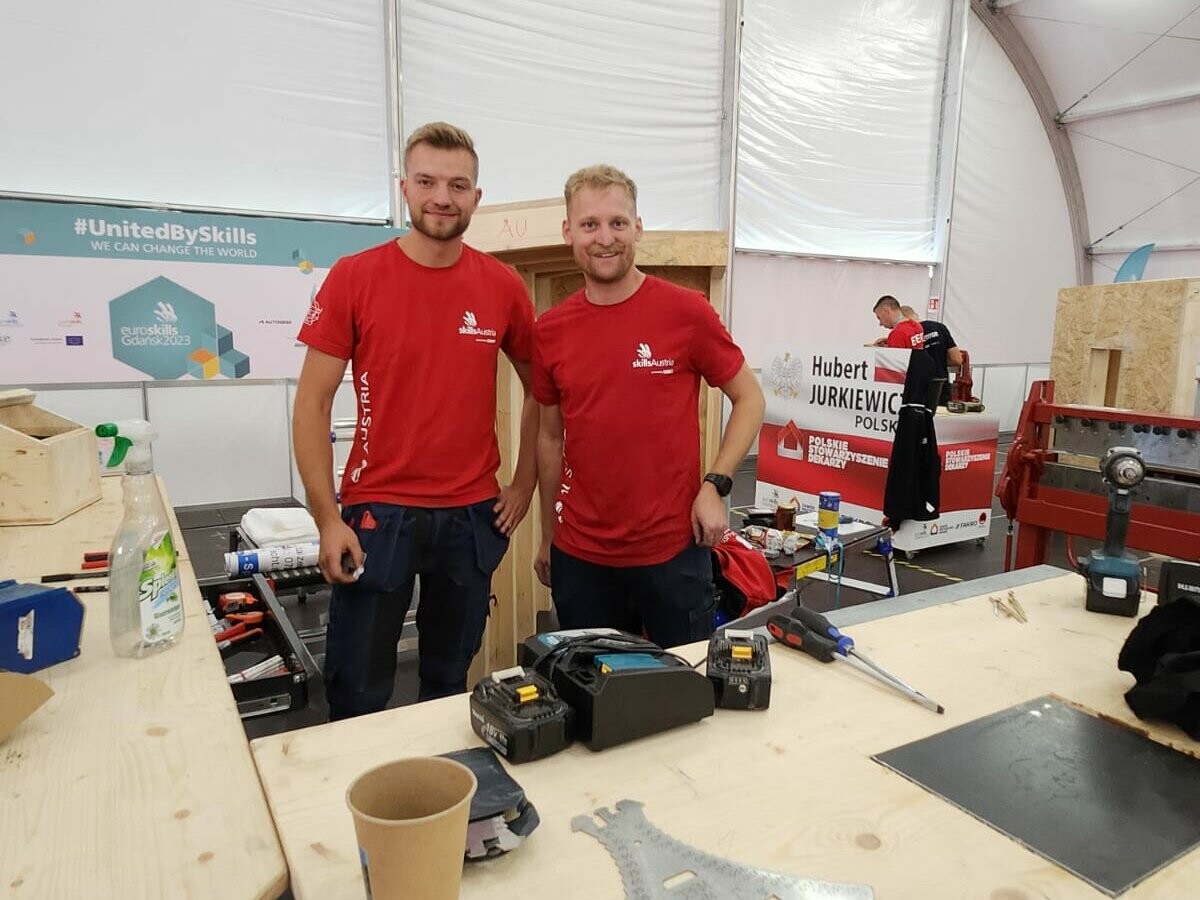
709 518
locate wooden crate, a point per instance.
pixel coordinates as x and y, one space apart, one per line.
48 464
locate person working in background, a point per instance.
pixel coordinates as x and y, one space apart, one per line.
422 320
627 518
939 344
903 334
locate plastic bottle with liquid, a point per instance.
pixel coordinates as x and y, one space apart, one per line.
145 601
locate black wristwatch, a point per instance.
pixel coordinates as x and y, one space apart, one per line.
723 483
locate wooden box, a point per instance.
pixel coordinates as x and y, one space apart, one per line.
48 464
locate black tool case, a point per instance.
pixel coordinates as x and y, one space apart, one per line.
277 693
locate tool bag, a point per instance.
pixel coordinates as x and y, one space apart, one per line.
742 576
1163 654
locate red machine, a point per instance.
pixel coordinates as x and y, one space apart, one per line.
962 387
1040 494
962 397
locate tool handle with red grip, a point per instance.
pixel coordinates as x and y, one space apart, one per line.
792 632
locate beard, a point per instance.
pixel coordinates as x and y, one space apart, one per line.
606 271
440 229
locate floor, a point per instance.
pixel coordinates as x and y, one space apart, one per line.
206 532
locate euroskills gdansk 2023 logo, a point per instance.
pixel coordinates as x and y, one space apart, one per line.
167 331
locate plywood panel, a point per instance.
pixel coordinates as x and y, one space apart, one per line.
1153 324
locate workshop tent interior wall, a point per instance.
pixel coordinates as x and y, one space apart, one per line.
286 110
841 171
268 107
837 171
1010 247
1126 83
546 88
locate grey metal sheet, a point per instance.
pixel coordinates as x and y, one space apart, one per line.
1092 796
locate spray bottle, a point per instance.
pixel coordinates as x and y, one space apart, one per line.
145 602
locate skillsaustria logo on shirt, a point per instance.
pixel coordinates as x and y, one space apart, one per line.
645 360
470 327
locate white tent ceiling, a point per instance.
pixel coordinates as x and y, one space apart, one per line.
1125 80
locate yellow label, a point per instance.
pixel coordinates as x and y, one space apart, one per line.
817 564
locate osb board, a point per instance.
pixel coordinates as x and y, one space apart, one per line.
1156 327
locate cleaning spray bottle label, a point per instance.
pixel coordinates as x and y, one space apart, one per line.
159 596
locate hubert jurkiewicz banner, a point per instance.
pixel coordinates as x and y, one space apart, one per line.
93 293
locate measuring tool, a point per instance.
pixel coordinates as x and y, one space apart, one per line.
520 715
813 634
739 668
648 860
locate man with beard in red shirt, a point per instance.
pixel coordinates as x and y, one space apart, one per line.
421 320
628 518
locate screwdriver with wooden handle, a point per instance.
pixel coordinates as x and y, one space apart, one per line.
829 644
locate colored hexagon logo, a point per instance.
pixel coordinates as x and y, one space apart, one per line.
156 327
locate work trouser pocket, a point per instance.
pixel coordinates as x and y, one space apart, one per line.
385 535
490 543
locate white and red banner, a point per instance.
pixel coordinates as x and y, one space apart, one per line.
830 418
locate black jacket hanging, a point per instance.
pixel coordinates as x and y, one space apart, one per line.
913 487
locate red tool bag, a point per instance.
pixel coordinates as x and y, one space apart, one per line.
742 575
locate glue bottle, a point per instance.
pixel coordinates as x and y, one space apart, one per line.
145 602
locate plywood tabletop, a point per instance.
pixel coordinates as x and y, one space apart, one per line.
792 788
135 779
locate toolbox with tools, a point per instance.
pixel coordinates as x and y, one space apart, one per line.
266 663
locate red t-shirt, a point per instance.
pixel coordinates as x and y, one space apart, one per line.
907 335
422 344
627 380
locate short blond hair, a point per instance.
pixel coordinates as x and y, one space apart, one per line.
599 176
909 313
441 136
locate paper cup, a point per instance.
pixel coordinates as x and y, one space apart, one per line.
410 817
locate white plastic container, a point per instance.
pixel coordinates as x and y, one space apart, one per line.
145 601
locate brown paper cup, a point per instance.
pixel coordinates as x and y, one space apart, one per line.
411 816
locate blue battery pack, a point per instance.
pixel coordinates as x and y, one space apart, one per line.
39 626
615 662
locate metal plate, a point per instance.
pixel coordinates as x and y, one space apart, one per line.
1167 452
1098 799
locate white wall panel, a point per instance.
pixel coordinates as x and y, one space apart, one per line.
1003 393
838 127
1143 169
810 301
1111 51
1010 240
548 86
266 106
221 443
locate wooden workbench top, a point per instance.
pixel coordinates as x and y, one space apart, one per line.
135 779
792 788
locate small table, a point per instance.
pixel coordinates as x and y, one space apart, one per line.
135 778
811 561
